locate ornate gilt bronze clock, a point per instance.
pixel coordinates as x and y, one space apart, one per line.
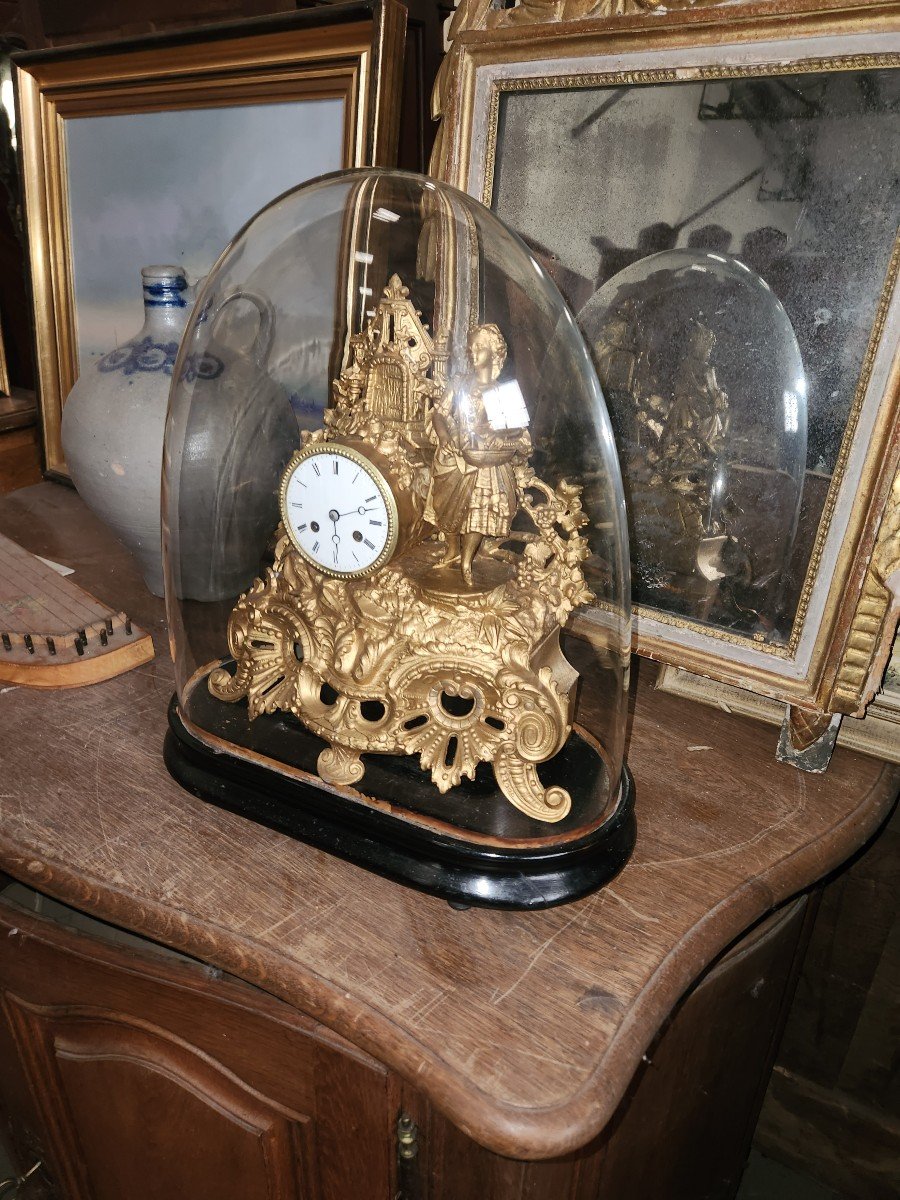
396 686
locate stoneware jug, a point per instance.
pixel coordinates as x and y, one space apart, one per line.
114 419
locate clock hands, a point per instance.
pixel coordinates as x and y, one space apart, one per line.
359 510
334 516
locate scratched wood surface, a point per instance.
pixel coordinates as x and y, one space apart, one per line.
525 1029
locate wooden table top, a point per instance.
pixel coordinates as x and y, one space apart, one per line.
524 1028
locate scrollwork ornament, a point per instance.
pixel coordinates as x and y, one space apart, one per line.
388 641
450 650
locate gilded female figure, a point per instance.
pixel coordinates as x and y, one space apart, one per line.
473 483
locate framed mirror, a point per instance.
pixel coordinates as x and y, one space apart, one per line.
715 194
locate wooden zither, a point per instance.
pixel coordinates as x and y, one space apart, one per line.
53 634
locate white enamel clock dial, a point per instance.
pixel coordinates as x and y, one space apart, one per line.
338 510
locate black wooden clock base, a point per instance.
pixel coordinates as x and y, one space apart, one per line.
459 869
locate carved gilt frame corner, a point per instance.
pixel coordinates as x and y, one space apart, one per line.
849 642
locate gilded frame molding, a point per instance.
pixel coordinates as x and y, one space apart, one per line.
351 52
876 733
831 661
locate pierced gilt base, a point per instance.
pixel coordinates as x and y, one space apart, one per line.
414 660
396 667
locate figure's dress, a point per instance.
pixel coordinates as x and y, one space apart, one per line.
465 498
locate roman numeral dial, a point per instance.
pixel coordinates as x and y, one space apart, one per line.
338 510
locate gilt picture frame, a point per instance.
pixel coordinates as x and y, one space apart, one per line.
513 76
160 148
877 733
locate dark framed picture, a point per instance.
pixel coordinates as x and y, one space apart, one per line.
158 150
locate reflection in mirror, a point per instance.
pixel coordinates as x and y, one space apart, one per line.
707 394
794 175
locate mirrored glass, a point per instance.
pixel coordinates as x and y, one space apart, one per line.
707 393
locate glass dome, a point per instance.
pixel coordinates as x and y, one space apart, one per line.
707 394
394 533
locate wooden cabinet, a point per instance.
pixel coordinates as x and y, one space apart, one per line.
621 1042
130 1074
133 1072
683 1129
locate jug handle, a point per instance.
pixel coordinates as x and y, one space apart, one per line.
262 343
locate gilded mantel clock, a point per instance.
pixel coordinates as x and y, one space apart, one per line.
428 676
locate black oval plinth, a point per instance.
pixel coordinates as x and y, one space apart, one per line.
457 869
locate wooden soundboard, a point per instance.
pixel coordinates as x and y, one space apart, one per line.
55 635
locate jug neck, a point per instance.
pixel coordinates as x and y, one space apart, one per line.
168 298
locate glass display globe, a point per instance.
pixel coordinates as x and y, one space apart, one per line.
395 548
707 392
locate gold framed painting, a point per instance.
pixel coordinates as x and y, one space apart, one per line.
712 189
159 149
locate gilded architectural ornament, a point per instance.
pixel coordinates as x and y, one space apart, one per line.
449 647
536 12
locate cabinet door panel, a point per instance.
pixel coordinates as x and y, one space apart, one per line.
146 1078
136 1112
